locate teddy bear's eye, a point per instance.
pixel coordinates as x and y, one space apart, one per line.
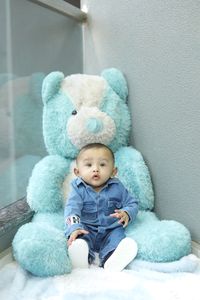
74 112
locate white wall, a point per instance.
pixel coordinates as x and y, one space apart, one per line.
157 45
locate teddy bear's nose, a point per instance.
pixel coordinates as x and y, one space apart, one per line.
94 125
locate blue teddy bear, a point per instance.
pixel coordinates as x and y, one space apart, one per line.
78 110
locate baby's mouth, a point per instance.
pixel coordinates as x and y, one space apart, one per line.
95 177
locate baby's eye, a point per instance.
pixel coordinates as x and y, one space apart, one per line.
102 164
88 165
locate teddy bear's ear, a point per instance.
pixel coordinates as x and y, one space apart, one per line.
117 81
51 85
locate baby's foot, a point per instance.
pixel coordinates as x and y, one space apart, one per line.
125 252
78 253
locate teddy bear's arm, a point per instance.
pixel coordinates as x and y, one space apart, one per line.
45 189
134 174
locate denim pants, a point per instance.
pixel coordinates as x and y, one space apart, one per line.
102 241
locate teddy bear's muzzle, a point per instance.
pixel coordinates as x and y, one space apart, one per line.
90 125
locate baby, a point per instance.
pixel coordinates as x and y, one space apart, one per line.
97 211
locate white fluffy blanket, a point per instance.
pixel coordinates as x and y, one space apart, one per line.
97 284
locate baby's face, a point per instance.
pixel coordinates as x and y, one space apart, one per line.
95 166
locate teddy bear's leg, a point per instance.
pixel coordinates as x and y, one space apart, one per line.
159 241
41 249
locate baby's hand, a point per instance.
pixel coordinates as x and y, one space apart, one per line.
75 234
122 215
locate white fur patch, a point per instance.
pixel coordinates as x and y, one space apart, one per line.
84 90
80 133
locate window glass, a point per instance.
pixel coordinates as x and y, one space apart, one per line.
34 41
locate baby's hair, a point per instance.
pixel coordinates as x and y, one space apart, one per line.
95 146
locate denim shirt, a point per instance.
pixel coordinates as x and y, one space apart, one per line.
86 208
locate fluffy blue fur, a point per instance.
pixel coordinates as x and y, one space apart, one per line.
118 111
34 256
117 82
54 123
135 176
40 246
159 241
45 194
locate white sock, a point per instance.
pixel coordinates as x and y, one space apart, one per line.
78 253
125 252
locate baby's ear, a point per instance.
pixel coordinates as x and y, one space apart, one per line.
115 170
76 171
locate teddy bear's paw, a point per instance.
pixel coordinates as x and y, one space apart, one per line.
41 250
159 241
